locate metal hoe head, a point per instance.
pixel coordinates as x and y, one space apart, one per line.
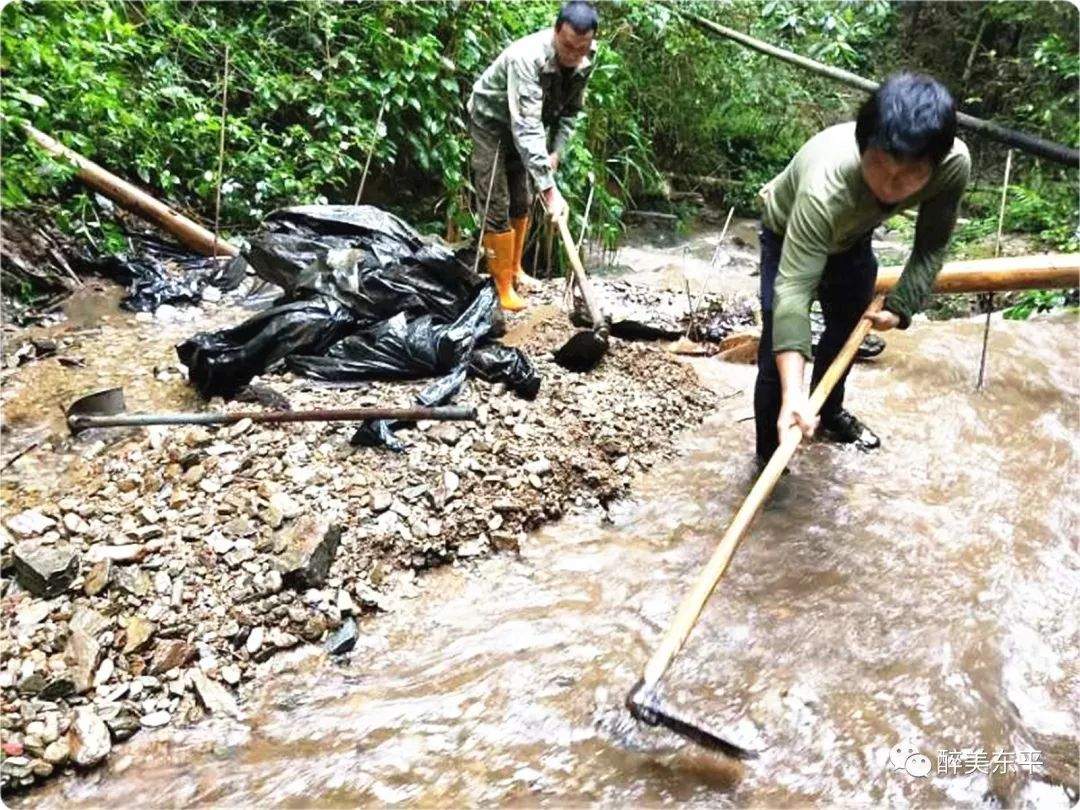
582 351
109 402
645 706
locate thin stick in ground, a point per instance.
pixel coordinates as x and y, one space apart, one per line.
371 150
487 204
221 149
997 252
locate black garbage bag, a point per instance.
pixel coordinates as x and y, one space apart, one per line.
367 258
494 362
158 272
364 298
402 349
222 363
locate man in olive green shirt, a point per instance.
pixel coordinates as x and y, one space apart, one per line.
819 214
522 111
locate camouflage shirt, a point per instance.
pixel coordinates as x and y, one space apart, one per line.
527 92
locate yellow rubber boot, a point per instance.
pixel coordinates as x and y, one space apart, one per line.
522 280
500 262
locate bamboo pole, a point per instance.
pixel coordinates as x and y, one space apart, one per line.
188 232
1037 272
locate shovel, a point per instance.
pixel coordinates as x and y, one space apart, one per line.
107 409
644 701
588 347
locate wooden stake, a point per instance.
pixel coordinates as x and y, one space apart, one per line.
221 150
371 149
997 254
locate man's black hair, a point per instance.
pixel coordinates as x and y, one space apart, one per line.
910 116
581 16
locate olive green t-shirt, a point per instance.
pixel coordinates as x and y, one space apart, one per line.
821 206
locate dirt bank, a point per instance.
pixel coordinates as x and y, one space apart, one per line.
168 562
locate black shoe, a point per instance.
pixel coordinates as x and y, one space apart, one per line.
845 428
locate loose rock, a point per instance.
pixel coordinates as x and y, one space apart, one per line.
310 545
89 741
45 570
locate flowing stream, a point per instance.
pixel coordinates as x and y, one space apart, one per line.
925 593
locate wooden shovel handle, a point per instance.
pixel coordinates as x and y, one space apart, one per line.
595 315
695 600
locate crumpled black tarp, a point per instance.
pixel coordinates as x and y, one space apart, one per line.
365 298
157 272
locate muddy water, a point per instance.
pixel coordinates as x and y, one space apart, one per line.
927 592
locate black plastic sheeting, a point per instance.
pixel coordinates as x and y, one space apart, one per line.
156 272
365 298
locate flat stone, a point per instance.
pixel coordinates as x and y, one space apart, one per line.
345 603
57 752
215 697
446 433
121 720
81 654
75 524
30 523
138 632
89 740
169 655
34 613
230 673
45 570
155 719
219 544
288 507
133 580
381 500
254 640
309 548
88 621
539 467
272 517
451 482
97 579
17 768
472 548
241 427
123 553
343 639
104 672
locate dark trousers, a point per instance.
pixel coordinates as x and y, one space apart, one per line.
845 291
497 165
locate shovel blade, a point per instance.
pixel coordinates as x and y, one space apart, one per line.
646 707
108 402
582 352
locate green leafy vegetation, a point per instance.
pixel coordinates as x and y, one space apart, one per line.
137 87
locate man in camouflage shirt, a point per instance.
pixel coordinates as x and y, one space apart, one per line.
522 111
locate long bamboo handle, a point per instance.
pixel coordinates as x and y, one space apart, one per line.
444 413
695 600
1038 272
190 233
595 315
